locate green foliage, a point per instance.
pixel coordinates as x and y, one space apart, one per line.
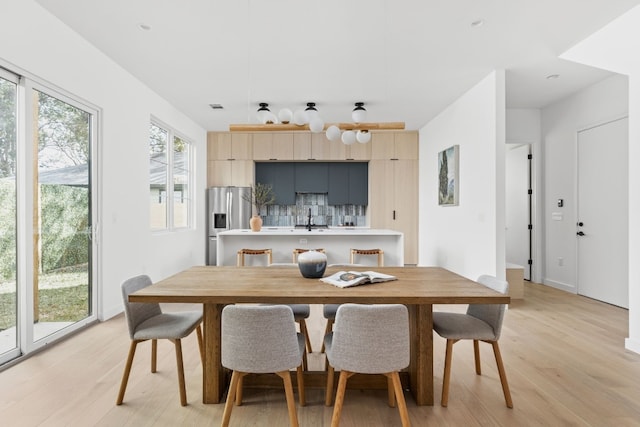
63 130
7 128
7 229
65 304
64 238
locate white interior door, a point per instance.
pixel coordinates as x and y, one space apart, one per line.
602 224
518 238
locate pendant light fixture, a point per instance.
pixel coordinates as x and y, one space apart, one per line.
359 114
309 119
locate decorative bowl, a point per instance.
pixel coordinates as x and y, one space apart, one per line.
312 264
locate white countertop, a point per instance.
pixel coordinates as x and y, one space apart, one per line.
333 231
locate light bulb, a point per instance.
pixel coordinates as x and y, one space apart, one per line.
262 112
285 115
270 119
316 124
363 136
359 114
333 133
348 137
300 118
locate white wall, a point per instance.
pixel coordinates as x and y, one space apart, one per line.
561 121
467 239
615 47
35 42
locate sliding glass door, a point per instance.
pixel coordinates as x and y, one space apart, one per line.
47 142
61 215
8 218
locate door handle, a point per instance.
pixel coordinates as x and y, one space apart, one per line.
580 233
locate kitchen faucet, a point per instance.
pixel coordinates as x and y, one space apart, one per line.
309 220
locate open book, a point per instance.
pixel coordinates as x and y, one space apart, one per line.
345 279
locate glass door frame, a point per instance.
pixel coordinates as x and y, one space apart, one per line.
14 78
27 162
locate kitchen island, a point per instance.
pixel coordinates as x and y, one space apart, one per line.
336 241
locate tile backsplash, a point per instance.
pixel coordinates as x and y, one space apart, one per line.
321 212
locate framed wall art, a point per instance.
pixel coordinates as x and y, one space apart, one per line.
448 173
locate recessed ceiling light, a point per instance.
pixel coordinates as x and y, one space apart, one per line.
216 106
144 27
477 23
553 76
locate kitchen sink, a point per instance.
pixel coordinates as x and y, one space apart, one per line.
313 226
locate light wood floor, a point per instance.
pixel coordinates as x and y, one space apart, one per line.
564 357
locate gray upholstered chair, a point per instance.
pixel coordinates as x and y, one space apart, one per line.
368 339
329 310
146 321
261 339
482 322
301 313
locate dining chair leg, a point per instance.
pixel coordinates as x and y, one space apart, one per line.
127 371
476 355
303 330
231 394
154 355
444 401
337 407
239 389
327 329
304 360
200 343
288 391
301 393
390 392
328 396
181 385
394 377
503 374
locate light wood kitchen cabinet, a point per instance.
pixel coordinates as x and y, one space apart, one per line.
394 145
229 172
393 201
229 146
273 146
229 158
315 146
357 151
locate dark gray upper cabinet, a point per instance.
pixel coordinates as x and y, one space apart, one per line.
349 183
338 183
281 176
312 177
358 183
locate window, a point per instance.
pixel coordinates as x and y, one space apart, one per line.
169 162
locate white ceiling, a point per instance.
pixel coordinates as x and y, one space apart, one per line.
406 59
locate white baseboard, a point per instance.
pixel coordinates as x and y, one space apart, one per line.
632 345
108 313
559 285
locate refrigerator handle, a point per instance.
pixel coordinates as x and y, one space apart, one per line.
229 204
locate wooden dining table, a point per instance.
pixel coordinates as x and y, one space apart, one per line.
416 287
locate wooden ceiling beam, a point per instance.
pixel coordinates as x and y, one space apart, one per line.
293 127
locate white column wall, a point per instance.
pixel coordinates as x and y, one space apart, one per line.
467 239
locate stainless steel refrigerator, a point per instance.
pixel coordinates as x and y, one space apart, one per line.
228 208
